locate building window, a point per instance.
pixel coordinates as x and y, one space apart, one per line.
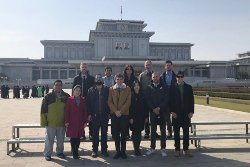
63 74
45 74
54 74
72 73
35 75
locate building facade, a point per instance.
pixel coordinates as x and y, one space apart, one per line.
116 43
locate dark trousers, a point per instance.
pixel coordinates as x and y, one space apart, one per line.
153 131
169 123
185 137
147 127
120 126
99 123
75 143
136 137
90 128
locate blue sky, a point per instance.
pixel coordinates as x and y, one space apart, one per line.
219 29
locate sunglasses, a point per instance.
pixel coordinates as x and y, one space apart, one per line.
178 76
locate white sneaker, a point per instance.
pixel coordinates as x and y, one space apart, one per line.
164 152
150 151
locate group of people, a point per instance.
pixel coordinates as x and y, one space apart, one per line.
39 91
5 91
36 91
133 103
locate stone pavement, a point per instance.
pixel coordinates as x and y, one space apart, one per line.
230 153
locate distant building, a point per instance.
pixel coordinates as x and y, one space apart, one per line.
116 43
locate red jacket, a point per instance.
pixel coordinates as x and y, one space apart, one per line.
76 116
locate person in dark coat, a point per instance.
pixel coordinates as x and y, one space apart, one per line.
129 78
167 79
145 79
182 110
85 81
138 115
3 91
7 88
34 91
98 111
157 99
75 119
43 89
47 89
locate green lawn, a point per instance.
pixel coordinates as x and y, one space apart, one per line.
232 104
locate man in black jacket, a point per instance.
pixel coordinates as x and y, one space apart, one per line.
86 81
98 111
157 100
167 79
182 110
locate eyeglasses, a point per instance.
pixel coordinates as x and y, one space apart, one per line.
178 76
128 69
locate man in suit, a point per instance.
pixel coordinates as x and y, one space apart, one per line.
85 80
119 102
182 110
167 79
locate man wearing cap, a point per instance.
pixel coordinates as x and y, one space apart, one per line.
52 118
98 111
182 110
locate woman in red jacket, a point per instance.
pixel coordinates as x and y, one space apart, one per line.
75 118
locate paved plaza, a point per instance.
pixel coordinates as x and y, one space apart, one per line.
219 153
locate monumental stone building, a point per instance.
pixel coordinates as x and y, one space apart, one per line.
115 43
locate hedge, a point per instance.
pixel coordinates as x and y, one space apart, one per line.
243 96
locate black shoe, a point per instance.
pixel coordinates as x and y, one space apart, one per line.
76 157
117 156
48 158
124 156
137 153
61 155
94 154
146 136
105 154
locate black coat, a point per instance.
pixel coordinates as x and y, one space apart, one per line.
130 81
85 84
138 111
157 97
92 102
163 81
182 107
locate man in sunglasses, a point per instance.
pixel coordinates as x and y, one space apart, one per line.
182 110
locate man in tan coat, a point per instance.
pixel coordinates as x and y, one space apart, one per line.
119 102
